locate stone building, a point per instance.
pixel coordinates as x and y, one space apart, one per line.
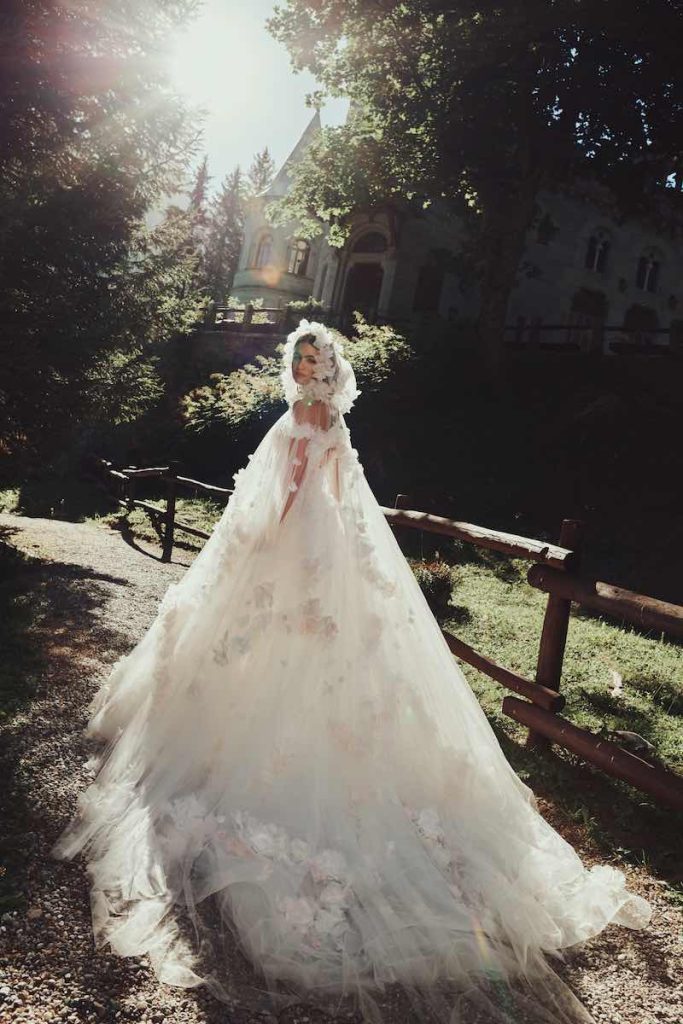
588 278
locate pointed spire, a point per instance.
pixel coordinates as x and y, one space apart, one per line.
281 181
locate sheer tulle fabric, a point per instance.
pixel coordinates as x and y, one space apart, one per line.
293 738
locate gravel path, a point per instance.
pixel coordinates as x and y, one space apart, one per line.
92 595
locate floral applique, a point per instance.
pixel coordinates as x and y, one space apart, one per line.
263 594
312 569
369 565
428 825
347 739
372 628
308 618
191 826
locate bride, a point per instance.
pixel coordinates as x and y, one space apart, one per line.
293 738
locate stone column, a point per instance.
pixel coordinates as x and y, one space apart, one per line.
328 296
388 275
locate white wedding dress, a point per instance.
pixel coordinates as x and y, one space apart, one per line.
293 738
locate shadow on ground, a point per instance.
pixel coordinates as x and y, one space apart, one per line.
50 634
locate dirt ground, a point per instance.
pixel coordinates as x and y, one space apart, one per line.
94 592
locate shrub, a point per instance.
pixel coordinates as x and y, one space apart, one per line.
253 391
376 353
436 581
310 309
239 307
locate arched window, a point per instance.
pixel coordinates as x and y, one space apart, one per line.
297 257
648 271
640 324
264 251
371 241
597 251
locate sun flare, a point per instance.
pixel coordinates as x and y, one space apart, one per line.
214 65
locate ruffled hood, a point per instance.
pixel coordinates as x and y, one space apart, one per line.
333 379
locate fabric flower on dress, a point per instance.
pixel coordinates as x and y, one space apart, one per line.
263 594
297 911
428 824
328 865
191 825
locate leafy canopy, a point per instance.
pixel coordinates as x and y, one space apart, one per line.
93 137
463 101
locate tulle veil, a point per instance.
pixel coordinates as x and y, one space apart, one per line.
291 765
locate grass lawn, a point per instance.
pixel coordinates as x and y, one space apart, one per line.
201 513
614 677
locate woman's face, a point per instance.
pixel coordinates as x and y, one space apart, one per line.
304 361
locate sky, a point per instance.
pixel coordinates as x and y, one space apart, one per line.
228 63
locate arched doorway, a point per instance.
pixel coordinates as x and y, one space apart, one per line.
363 284
587 317
640 324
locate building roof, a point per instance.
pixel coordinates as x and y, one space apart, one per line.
279 186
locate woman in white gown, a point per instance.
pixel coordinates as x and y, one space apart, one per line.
293 737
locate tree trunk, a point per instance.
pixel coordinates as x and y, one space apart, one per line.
507 217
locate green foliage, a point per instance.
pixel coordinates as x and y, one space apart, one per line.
376 353
436 581
231 399
260 173
92 138
307 309
253 392
239 306
473 110
198 194
472 99
224 237
343 169
202 513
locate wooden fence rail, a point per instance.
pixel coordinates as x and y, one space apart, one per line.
638 609
665 786
164 517
554 571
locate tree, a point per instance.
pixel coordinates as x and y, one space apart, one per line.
199 216
225 236
260 174
480 107
93 137
199 191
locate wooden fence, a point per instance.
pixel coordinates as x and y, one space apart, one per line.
531 337
554 571
122 483
594 339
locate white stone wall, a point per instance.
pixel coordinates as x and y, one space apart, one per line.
558 270
273 284
551 272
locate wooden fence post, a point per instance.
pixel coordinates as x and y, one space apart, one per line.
248 313
130 490
169 518
555 626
